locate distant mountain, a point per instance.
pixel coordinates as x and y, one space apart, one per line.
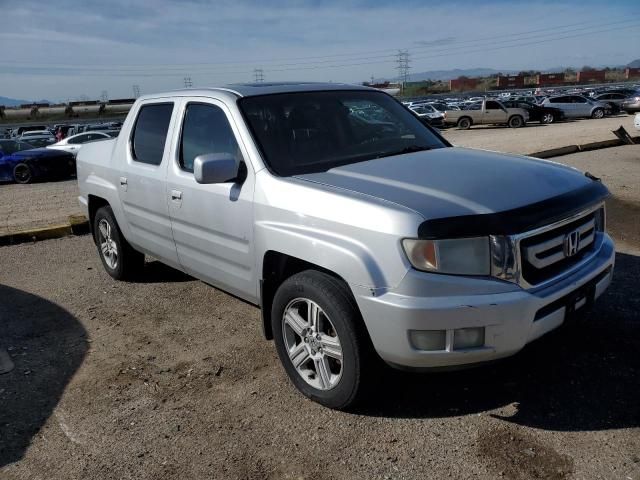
14 102
634 64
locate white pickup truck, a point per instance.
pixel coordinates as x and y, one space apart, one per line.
486 112
361 233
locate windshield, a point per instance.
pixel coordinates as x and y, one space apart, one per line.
10 146
315 131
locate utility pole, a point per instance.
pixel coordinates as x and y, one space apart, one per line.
136 91
258 75
104 96
187 82
404 65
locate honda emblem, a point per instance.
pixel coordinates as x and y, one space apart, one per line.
572 243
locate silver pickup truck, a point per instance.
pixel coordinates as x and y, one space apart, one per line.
359 231
486 112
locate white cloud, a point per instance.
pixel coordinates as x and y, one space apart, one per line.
91 45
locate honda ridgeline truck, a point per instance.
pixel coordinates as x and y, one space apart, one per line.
360 232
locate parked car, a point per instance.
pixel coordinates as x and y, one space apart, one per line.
614 100
487 112
537 113
577 106
21 163
434 117
74 143
17 132
632 104
355 245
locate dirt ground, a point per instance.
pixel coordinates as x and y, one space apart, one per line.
23 207
536 137
168 378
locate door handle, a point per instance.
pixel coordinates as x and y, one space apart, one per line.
176 195
123 183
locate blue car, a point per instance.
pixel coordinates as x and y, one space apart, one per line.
22 163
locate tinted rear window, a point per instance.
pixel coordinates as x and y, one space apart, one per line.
150 133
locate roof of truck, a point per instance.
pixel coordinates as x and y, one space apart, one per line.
264 88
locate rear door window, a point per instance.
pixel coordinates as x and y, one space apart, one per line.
150 133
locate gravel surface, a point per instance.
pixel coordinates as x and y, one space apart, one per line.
619 169
168 378
23 207
536 137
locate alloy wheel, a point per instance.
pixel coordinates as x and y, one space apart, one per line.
108 246
312 344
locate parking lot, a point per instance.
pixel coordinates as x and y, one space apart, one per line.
170 378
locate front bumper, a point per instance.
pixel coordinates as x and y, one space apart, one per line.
511 316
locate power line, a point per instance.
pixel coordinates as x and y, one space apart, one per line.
513 43
355 56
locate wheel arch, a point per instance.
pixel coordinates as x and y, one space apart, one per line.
94 204
276 268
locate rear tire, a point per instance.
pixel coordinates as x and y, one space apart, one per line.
516 121
464 123
321 340
22 173
597 113
119 259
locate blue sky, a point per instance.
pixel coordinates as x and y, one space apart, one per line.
66 48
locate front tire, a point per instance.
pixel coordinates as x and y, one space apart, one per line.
22 173
597 113
320 338
516 121
118 258
464 123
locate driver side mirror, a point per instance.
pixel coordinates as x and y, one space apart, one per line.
215 168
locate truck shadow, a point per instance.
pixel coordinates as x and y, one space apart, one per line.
47 345
584 376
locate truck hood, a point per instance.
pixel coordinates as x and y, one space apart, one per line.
453 182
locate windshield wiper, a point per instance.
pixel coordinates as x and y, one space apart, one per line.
402 151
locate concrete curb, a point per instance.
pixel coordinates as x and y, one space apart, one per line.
585 147
77 225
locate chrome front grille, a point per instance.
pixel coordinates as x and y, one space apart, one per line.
543 254
550 252
535 258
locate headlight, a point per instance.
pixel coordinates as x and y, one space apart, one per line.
460 256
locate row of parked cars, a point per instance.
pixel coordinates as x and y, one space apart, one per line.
516 110
31 153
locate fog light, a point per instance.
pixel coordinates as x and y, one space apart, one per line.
430 340
468 338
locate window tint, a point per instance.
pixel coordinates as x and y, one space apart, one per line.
78 139
309 132
150 133
206 130
578 100
493 106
